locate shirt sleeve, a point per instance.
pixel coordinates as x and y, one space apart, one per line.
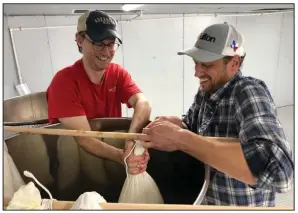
187 118
63 98
127 87
262 139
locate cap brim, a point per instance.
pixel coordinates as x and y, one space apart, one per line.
109 33
201 55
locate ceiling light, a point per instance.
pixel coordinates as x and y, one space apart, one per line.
129 7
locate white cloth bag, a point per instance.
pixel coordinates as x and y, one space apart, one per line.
140 188
28 197
89 200
12 178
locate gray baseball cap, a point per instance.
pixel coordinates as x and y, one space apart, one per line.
215 42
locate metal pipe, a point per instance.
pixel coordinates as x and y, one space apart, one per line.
169 16
252 14
16 57
205 186
39 28
128 13
137 16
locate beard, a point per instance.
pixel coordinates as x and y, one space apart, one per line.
212 85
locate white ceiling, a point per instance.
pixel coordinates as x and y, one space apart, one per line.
67 9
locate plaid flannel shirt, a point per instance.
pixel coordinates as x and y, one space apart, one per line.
244 108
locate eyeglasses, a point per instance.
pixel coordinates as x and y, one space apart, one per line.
99 46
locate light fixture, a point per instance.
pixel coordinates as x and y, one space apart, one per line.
129 7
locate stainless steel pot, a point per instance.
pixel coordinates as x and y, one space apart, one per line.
25 108
68 171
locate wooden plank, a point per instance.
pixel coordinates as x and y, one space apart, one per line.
66 205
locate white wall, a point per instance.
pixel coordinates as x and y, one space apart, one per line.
9 72
151 56
149 52
285 73
286 117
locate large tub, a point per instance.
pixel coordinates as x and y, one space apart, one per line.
68 171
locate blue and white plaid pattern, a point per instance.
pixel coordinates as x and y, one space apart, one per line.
244 108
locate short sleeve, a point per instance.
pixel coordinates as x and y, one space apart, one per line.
63 98
127 87
262 139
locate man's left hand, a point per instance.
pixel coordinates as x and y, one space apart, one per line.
136 164
161 135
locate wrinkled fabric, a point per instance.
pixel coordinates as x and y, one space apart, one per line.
27 197
12 178
140 188
89 200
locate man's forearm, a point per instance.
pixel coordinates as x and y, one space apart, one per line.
100 149
225 157
92 145
141 116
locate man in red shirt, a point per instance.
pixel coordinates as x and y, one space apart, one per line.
94 87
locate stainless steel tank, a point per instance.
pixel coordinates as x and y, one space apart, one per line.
68 171
26 108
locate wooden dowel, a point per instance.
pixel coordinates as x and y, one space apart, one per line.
84 133
67 132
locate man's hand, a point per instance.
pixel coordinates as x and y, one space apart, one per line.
161 135
136 164
173 119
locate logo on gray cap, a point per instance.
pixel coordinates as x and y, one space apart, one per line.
206 37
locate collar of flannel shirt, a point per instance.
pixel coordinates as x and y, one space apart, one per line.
218 95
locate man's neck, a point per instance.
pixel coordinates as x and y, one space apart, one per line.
95 76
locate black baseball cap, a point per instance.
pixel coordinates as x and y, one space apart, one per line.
98 26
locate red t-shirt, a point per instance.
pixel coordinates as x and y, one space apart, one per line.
71 93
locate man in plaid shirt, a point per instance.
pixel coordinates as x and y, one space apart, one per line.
228 104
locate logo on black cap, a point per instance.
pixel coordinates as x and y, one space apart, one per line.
105 20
